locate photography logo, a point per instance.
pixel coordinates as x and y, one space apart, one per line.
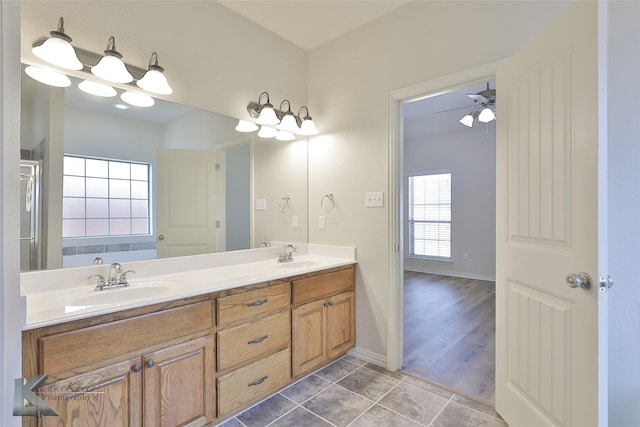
26 402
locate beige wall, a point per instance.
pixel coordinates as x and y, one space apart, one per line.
349 84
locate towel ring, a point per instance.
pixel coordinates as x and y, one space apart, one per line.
327 203
285 204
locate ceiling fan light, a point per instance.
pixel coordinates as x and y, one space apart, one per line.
246 126
467 120
47 76
486 115
97 89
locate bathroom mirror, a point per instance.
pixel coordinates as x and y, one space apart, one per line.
101 183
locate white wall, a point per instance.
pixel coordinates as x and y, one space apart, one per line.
624 213
350 80
470 156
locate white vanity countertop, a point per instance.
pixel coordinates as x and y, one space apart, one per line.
59 296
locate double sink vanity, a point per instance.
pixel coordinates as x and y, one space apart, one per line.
192 340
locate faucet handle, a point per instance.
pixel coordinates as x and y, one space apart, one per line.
123 276
101 280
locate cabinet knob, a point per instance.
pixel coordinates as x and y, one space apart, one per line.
150 363
328 303
137 367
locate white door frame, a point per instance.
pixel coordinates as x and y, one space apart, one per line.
423 90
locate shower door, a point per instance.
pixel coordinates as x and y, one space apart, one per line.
29 215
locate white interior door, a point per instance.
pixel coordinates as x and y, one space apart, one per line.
546 331
185 214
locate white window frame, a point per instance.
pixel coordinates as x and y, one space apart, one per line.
109 199
441 212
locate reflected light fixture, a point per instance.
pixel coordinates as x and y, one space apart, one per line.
111 67
137 99
245 126
121 106
307 127
288 122
284 135
47 76
97 89
267 132
57 49
154 80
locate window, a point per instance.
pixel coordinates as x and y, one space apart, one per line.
430 215
102 197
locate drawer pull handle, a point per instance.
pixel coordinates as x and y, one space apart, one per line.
257 303
258 340
137 367
258 382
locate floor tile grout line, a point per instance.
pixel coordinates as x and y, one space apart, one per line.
361 414
377 402
441 411
476 410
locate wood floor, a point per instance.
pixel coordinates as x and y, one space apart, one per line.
449 332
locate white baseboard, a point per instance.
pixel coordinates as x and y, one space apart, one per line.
369 356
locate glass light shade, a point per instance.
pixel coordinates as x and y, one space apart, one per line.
308 128
267 116
154 81
283 135
289 124
121 106
97 89
267 132
137 99
47 76
467 120
112 69
245 126
486 115
58 52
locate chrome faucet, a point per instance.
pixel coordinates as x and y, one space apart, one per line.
116 278
287 253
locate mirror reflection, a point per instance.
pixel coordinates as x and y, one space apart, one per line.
105 181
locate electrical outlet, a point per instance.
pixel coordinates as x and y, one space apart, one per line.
374 199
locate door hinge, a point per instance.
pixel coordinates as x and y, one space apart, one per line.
605 283
397 248
217 167
217 223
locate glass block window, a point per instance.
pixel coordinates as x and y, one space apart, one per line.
102 197
430 215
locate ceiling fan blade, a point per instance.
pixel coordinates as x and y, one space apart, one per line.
468 107
477 98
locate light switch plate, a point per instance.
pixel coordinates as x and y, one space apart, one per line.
374 199
261 204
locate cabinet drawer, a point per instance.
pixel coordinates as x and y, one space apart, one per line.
316 287
239 308
93 345
245 385
238 345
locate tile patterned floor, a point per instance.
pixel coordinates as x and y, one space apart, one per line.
351 392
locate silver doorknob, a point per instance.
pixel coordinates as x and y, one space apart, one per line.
161 237
580 280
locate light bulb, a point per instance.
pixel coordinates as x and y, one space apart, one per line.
47 76
267 132
467 120
245 126
137 99
486 115
97 89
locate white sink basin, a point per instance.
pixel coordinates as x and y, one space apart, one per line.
135 291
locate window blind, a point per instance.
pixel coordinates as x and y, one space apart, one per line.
430 215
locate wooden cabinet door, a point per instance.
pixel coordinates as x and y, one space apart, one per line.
309 334
106 397
340 319
179 384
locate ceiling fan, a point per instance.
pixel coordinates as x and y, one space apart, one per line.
485 107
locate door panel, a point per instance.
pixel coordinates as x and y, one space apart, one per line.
186 213
546 332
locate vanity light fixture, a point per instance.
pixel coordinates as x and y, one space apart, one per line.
137 99
154 80
97 89
288 123
111 67
57 49
307 128
245 126
48 76
267 132
266 113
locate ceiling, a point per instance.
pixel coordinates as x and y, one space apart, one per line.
290 19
